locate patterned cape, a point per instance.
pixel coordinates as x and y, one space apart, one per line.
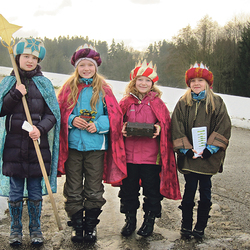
47 90
169 185
115 160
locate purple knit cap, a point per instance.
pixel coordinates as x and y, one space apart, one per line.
86 53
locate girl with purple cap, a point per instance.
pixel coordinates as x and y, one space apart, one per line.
91 124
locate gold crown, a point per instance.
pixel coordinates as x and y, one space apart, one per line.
145 65
86 46
141 69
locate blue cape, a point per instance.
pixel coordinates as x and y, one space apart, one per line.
47 90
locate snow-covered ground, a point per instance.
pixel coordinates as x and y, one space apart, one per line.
238 107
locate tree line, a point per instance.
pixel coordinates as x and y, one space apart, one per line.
226 50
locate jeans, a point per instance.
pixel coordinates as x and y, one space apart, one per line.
34 188
191 185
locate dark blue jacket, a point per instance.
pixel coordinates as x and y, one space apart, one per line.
19 156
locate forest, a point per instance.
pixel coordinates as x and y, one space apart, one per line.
225 50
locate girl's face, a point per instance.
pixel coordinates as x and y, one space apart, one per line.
86 69
143 84
198 84
28 62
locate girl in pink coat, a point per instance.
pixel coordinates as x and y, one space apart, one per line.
150 160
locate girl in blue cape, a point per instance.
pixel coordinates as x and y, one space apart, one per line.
20 172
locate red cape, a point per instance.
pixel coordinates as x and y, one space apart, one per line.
115 159
169 186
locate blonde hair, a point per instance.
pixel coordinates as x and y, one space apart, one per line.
130 88
187 97
97 84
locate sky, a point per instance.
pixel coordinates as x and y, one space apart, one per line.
135 22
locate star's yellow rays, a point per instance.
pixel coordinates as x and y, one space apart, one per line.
7 29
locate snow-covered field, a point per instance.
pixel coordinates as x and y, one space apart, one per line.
238 107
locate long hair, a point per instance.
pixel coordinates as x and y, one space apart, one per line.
187 97
97 84
130 88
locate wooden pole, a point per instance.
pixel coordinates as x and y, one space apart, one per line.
38 151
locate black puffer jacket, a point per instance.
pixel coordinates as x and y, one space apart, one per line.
19 155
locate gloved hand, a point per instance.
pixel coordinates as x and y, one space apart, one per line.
190 153
206 153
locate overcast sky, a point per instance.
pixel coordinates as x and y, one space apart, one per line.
136 22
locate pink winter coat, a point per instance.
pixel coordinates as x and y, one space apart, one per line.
141 149
169 186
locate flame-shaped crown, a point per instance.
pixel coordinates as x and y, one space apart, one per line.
145 69
200 71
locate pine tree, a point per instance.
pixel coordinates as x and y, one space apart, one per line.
242 83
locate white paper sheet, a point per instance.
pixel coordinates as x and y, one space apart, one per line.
28 127
199 135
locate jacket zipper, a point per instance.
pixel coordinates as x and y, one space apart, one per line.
10 122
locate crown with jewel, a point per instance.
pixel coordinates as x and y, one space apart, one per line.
199 71
145 69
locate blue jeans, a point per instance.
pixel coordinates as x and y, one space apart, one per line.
34 188
191 185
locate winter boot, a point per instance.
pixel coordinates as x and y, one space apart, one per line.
91 221
202 218
16 209
187 219
78 226
130 224
34 209
148 224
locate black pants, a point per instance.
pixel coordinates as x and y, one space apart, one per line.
150 182
191 185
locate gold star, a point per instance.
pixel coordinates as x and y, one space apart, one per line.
7 29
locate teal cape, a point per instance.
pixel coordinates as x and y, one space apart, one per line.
47 90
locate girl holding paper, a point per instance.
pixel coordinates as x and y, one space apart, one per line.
20 172
199 107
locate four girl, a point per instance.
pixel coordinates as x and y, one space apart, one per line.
92 147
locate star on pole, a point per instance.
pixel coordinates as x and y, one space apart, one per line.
7 29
